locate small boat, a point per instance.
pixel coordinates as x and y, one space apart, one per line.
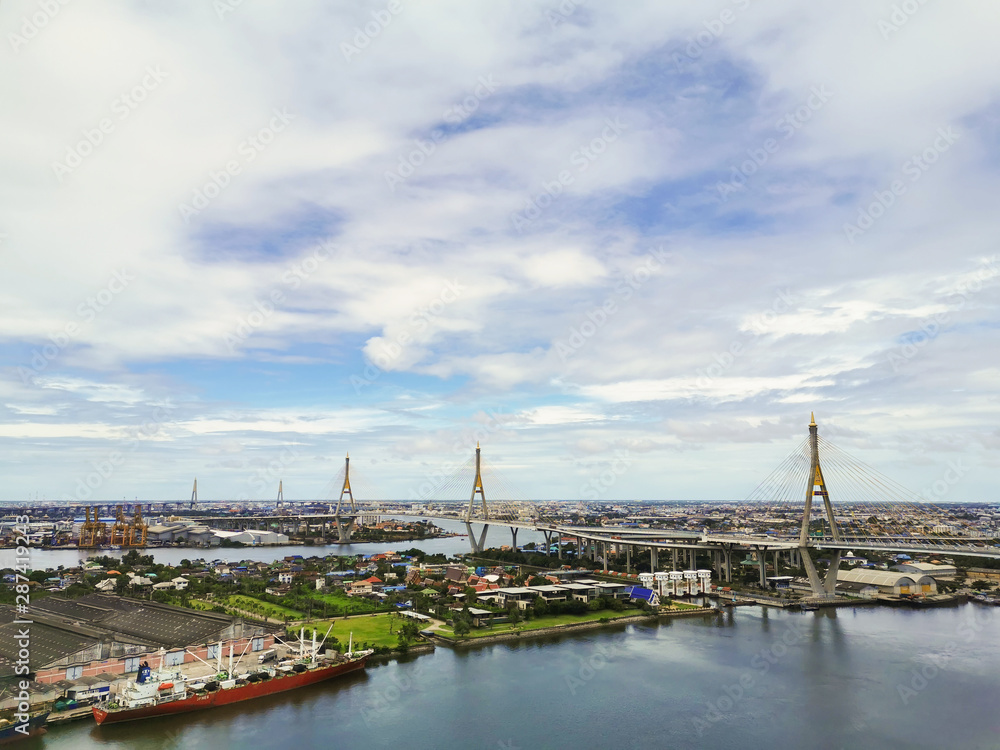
14 731
808 607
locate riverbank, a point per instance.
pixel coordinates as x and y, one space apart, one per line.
574 627
747 600
417 649
934 600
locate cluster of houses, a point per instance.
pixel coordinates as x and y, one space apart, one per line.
62 579
459 577
494 586
584 590
138 583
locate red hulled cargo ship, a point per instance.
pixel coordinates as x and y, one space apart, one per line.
161 693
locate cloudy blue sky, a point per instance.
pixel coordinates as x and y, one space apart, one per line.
638 241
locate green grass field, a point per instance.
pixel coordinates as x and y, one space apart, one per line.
539 623
341 603
264 609
375 630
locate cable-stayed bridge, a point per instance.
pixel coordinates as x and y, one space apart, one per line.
873 513
819 501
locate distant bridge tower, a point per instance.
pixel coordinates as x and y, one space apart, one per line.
816 487
344 530
281 497
477 488
194 494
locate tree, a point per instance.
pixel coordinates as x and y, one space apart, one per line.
410 631
401 643
462 625
471 596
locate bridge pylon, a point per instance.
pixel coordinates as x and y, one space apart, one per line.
194 494
477 488
824 588
281 497
345 529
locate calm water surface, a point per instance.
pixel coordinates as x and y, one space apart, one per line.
69 558
864 678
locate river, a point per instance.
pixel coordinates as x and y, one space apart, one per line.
69 558
869 677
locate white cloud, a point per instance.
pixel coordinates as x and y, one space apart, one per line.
189 329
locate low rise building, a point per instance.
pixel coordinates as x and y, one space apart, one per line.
935 571
522 596
890 581
551 593
857 589
365 587
580 591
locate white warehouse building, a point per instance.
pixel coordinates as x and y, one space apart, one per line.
252 537
890 581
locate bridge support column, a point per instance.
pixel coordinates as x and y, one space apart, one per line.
477 544
816 487
674 560
628 558
559 544
604 546
344 531
762 558
830 584
547 536
513 540
727 552
653 562
818 589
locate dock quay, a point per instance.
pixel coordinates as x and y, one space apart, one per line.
744 600
73 714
